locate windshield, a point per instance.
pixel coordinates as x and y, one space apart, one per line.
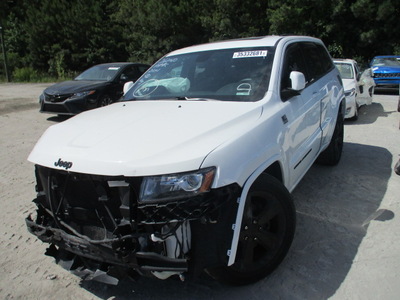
345 70
99 73
228 74
386 61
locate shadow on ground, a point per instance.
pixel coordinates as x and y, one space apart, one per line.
335 206
368 114
58 118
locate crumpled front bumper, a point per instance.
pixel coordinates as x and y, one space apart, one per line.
137 246
141 260
100 261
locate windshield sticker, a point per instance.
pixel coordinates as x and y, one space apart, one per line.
146 88
255 53
113 68
243 89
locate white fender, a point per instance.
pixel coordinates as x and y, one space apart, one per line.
242 202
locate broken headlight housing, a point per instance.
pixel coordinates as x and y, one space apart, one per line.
176 186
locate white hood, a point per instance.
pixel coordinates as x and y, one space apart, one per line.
141 138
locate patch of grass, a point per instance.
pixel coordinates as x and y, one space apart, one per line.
29 75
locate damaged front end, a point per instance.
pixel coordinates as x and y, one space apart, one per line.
99 228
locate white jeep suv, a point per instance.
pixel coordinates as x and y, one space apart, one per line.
192 170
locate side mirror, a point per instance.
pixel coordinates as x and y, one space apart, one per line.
127 86
298 80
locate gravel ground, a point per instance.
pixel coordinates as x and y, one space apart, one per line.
346 245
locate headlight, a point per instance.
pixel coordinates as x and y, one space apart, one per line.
82 94
350 92
176 186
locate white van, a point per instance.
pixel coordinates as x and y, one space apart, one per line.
192 170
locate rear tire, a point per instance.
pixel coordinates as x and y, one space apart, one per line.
331 155
267 231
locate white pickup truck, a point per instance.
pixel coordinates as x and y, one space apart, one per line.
192 169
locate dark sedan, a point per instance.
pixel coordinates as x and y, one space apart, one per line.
98 86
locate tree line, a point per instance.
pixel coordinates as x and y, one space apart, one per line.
62 37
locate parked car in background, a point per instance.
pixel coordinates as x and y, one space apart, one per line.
194 167
358 86
98 86
386 71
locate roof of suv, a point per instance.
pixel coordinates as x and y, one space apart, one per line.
262 41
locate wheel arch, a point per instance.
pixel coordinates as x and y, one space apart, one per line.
274 168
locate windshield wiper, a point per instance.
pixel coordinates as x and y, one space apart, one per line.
194 98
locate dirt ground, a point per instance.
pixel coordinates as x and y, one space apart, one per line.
347 242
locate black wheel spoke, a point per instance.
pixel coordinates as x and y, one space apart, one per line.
272 211
265 235
267 240
248 252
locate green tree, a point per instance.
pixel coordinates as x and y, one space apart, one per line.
70 35
152 28
227 19
65 36
378 26
14 36
351 29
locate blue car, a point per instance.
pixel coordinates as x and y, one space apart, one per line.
386 70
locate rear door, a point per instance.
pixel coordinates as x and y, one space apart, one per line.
323 86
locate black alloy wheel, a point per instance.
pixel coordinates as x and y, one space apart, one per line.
267 231
105 100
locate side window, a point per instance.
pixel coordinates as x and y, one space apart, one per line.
132 73
293 61
326 60
142 69
317 59
313 61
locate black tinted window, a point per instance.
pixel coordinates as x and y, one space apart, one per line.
293 62
143 69
317 59
132 73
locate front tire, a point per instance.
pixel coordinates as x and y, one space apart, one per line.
267 231
105 100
